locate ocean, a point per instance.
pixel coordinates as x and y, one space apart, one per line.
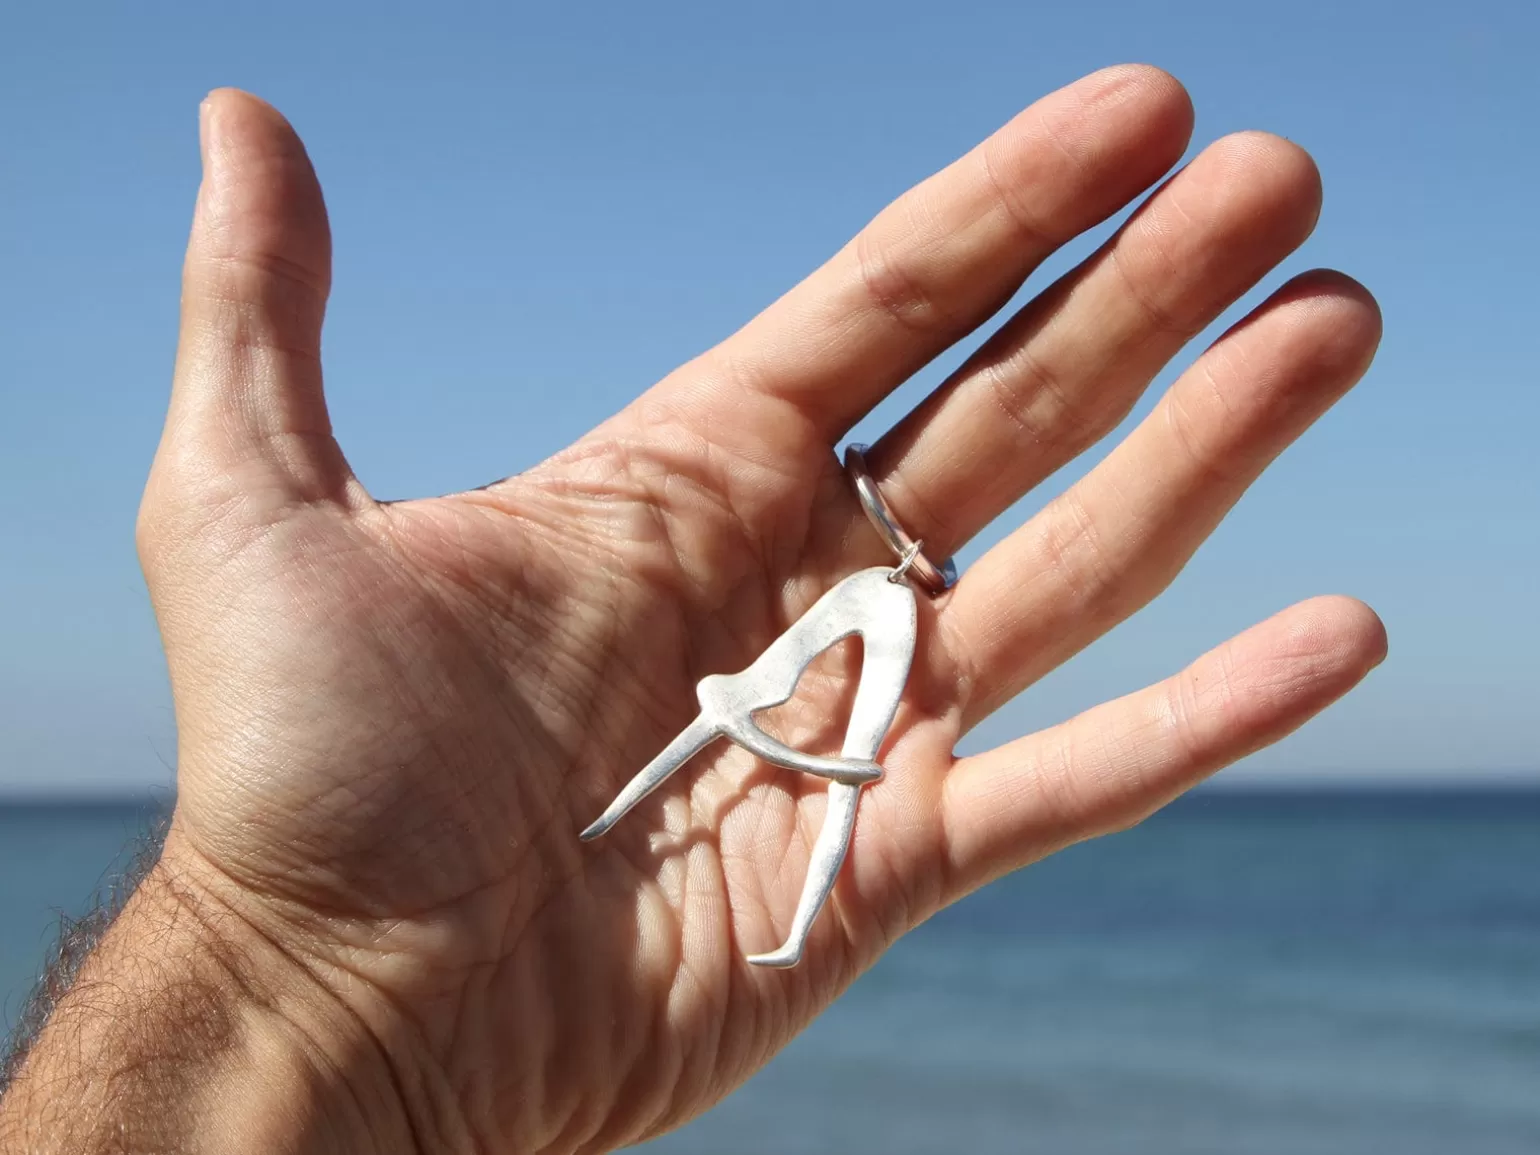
1246 973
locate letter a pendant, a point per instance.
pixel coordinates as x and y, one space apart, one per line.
879 606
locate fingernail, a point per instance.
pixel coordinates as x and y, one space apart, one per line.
203 132
209 152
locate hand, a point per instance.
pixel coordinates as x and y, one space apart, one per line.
395 719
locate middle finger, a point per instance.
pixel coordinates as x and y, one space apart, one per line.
1063 371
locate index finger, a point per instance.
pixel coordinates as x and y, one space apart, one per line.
937 262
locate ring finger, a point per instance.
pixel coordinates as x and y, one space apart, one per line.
1117 537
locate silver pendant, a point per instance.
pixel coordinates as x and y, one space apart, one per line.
879 606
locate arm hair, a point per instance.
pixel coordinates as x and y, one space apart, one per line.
76 939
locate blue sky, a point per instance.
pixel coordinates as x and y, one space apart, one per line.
540 210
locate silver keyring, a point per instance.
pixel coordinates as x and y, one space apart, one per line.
910 553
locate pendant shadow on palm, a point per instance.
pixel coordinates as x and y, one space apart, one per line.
868 604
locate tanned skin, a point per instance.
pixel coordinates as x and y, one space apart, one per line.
373 927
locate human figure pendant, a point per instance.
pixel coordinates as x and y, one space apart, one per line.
878 605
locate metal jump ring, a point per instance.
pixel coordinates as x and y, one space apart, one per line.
912 560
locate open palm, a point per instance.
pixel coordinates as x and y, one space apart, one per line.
395 719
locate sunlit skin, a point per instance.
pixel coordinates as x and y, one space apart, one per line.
395 719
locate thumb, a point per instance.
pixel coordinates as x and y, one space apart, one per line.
248 428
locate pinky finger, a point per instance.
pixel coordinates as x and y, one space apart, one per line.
1119 762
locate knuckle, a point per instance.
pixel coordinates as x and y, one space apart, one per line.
1072 546
263 270
1158 316
1185 422
1183 703
1060 778
1030 230
1041 408
894 286
277 327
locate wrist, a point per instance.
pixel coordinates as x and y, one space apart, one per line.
190 1029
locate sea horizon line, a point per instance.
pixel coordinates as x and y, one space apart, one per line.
1306 783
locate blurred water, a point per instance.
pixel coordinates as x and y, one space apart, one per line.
1245 973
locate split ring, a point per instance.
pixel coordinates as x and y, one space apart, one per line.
933 579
